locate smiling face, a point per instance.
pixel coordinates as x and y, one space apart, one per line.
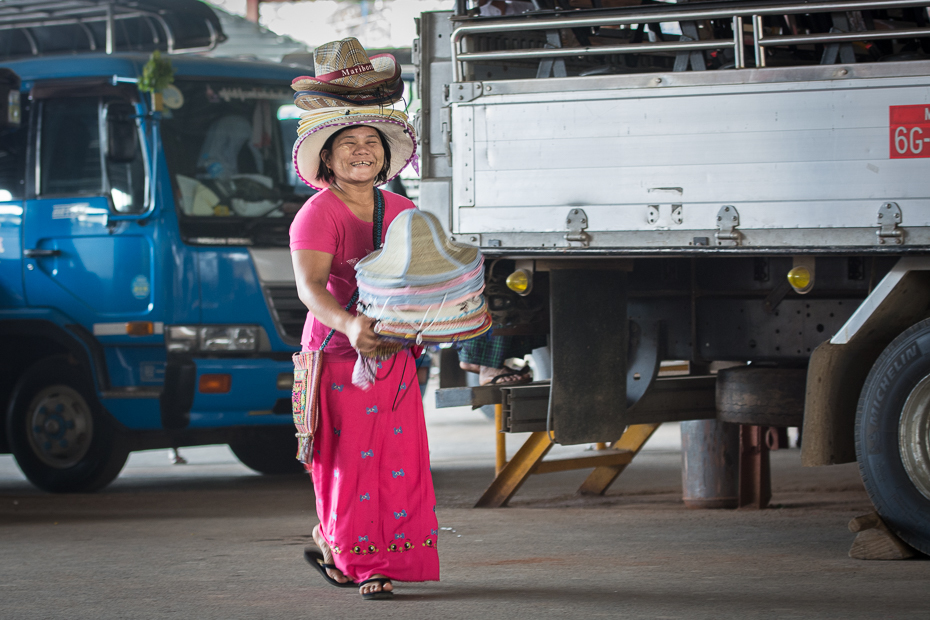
357 156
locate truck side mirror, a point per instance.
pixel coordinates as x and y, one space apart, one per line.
122 136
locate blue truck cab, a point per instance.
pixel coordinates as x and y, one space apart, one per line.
147 298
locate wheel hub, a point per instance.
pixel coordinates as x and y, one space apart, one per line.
60 426
914 436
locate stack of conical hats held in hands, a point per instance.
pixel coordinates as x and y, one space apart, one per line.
422 286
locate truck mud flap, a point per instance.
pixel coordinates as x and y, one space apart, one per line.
589 350
178 396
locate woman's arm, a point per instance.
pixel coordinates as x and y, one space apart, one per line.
311 268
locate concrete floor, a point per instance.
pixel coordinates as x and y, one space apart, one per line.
211 539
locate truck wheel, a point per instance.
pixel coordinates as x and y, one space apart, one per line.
269 451
62 440
893 436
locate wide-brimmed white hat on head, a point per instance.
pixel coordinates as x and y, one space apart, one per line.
317 126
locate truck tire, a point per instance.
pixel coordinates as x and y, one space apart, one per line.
893 436
761 396
61 437
269 451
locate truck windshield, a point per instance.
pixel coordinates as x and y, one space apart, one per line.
228 146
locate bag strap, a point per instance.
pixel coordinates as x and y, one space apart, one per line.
376 229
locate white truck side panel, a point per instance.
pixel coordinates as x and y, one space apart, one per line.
788 155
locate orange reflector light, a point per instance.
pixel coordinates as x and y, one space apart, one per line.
140 328
215 384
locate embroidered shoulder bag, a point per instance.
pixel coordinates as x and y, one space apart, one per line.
308 367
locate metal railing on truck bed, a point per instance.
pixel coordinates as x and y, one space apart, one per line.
786 32
41 27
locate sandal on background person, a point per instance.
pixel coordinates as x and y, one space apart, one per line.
505 376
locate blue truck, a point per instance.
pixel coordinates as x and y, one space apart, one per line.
146 290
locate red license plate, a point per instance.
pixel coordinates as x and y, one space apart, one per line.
909 131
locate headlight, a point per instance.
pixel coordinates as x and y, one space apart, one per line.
189 338
230 338
181 338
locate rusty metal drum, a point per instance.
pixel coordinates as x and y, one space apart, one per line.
710 464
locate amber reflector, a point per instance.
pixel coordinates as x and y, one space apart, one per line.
800 279
519 281
140 328
215 384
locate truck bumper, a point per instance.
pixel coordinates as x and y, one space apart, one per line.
254 397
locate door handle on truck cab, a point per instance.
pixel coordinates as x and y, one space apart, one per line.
34 253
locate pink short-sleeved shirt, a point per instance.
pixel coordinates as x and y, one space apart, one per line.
326 224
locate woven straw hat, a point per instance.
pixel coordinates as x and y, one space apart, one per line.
417 251
344 66
315 99
317 126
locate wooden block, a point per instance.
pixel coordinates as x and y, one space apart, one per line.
875 541
864 522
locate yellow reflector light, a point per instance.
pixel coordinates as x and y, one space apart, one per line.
800 279
140 328
519 282
215 384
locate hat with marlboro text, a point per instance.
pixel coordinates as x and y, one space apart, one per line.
344 67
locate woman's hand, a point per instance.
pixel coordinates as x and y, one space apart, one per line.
361 333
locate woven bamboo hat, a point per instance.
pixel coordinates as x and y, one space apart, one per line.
344 66
317 126
417 251
315 99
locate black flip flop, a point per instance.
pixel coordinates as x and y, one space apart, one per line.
315 559
380 595
522 374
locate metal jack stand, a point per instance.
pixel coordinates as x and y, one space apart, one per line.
675 397
608 463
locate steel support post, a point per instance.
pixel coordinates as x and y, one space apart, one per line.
500 456
755 479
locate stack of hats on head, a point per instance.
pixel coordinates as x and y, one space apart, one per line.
422 286
350 88
346 76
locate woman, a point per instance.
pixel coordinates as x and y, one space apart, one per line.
370 464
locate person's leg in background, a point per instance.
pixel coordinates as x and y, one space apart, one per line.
486 355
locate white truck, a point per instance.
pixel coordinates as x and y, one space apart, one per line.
736 181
